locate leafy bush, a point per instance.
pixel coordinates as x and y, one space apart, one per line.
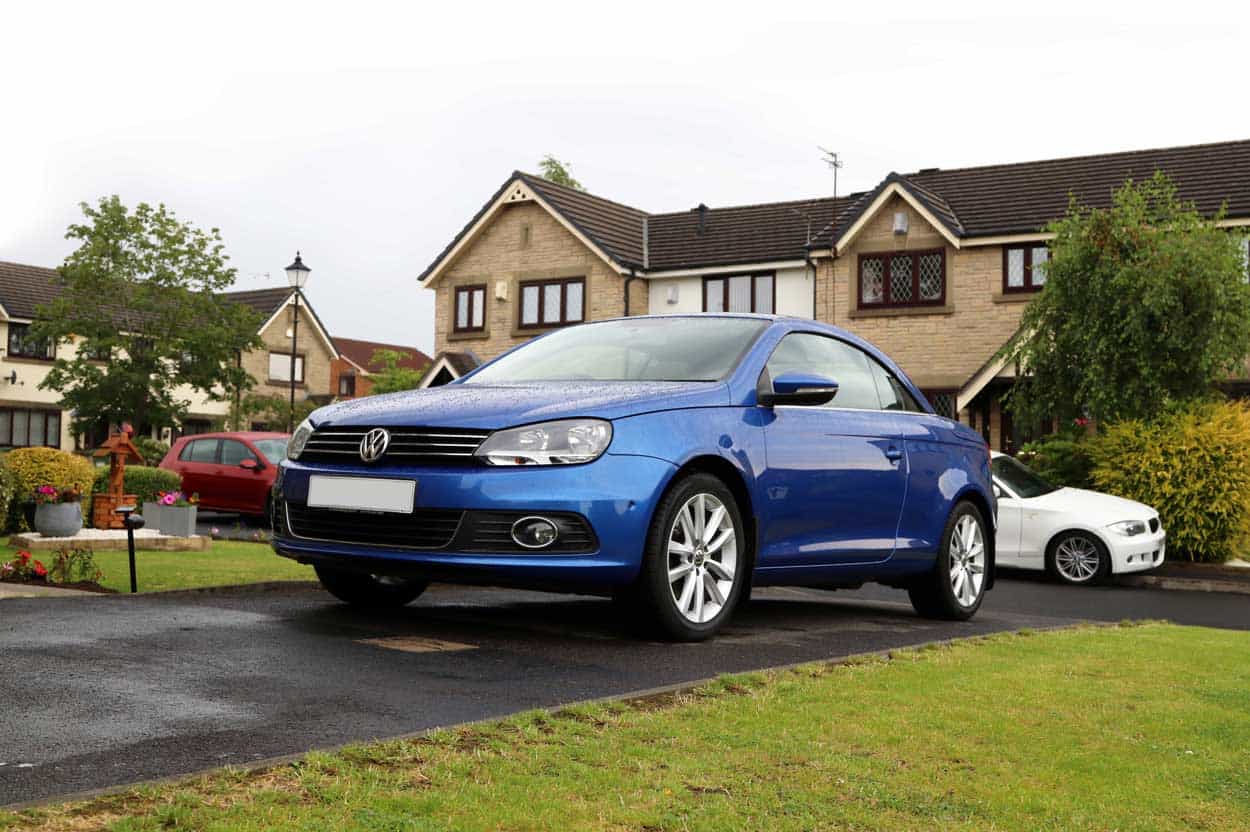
1059 460
72 565
30 468
1192 464
144 482
153 450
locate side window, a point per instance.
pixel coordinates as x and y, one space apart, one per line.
201 450
234 452
803 352
893 394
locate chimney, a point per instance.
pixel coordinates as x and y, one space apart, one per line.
702 209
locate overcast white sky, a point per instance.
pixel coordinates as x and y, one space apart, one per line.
366 134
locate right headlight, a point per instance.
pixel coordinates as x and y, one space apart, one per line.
566 442
299 439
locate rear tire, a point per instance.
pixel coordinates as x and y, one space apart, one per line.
695 564
953 591
360 589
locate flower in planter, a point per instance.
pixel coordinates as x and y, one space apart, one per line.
177 499
214 533
41 570
49 495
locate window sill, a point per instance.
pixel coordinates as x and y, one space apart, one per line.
468 335
1015 297
278 382
28 359
531 331
901 311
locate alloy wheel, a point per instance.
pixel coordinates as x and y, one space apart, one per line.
967 560
702 558
1077 559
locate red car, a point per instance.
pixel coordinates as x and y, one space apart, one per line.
230 471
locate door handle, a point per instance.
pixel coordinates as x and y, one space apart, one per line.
893 453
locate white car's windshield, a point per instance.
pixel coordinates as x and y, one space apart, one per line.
1022 482
647 349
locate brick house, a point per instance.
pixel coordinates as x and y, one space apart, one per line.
933 266
30 416
350 373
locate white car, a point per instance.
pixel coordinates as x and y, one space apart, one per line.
1078 536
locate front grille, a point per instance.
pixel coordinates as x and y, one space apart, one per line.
422 529
436 446
490 532
1154 524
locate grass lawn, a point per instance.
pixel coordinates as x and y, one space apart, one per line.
227 562
1125 728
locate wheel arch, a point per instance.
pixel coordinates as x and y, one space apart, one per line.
733 478
1053 540
976 498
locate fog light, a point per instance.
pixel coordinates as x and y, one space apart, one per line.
534 532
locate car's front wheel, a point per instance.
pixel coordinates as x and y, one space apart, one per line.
695 564
361 589
1078 558
954 589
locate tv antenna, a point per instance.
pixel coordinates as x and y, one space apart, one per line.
831 159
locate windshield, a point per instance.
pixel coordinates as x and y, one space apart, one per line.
646 349
273 449
1022 482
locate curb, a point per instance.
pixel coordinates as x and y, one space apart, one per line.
1185 584
644 694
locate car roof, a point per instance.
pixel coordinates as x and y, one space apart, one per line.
238 434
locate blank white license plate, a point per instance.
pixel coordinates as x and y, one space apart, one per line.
362 493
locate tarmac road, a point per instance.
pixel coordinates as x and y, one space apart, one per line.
107 690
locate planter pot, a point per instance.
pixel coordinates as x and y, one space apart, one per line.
177 521
58 519
152 514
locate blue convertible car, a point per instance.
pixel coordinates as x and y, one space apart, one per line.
675 461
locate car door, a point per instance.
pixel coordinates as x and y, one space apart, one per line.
837 474
198 465
1010 517
242 489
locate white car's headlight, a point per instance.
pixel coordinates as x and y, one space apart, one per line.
566 442
1129 528
299 439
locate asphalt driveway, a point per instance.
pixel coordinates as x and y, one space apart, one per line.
105 690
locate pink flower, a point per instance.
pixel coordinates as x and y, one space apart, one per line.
168 499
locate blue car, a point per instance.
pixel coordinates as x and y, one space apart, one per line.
673 461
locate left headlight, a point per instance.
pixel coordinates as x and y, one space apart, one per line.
299 439
1129 528
566 442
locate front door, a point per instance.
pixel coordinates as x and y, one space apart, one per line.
837 474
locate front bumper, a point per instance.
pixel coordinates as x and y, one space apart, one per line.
1138 553
615 494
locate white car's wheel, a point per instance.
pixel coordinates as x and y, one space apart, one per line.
1078 558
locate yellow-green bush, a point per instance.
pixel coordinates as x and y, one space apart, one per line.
30 468
1193 466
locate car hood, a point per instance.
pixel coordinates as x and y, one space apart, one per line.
1094 506
494 406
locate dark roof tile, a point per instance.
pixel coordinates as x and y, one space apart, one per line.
360 353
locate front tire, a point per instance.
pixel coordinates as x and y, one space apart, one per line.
1078 558
361 589
695 563
953 591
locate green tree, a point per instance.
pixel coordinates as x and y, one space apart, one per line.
392 378
558 172
272 409
142 292
1146 305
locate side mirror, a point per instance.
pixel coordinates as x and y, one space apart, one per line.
251 465
802 389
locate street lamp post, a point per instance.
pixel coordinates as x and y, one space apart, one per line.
297 276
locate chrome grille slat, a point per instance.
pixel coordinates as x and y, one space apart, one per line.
408 445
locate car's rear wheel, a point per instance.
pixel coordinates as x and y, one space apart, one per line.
1077 558
954 589
360 589
696 560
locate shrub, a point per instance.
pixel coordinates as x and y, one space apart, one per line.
72 565
1192 464
30 468
152 450
1059 460
144 482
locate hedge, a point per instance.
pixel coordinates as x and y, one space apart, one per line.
1060 460
1193 466
142 481
28 468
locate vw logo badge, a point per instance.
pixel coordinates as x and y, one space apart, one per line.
374 444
